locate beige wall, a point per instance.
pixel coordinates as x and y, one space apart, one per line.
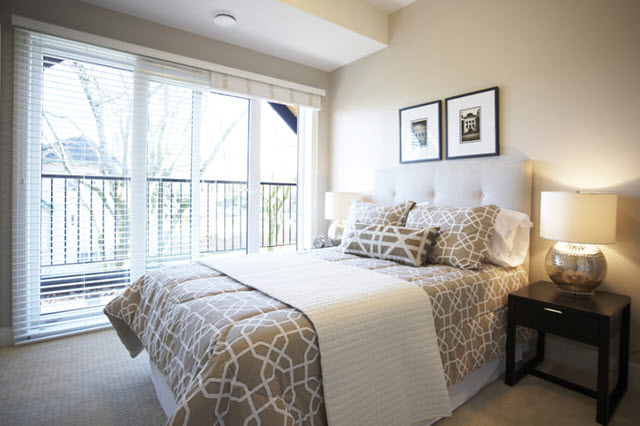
568 73
84 17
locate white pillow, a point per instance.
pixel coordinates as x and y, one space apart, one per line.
510 240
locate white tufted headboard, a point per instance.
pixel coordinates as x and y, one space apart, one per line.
459 183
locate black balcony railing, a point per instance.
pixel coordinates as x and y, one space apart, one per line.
279 213
85 230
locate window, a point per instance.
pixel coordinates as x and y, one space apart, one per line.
125 164
224 154
278 175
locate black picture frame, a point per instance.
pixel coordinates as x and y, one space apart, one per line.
430 116
492 145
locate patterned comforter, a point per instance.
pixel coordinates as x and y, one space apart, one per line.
233 355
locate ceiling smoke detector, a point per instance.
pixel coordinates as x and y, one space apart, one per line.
224 19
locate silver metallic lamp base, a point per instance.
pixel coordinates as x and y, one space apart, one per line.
335 232
576 269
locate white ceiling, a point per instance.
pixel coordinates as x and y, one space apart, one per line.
266 26
389 6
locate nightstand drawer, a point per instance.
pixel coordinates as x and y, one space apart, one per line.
561 322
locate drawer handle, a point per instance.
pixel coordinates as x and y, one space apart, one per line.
555 311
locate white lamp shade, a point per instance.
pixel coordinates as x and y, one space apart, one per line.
578 217
336 204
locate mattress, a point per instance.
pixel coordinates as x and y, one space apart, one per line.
231 354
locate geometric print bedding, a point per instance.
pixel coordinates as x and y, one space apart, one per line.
404 245
232 355
376 214
463 240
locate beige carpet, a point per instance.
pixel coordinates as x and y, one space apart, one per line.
534 401
88 379
91 380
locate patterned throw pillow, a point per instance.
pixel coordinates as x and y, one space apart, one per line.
464 235
375 214
403 245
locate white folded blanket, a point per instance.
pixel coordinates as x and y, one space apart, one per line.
378 350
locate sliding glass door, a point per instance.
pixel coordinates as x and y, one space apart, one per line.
129 165
170 147
85 187
224 162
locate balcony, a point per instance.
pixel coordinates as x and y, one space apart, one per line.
86 262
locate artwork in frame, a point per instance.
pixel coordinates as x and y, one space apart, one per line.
471 125
420 133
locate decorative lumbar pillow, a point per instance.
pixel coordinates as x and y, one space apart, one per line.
375 214
464 235
403 245
510 239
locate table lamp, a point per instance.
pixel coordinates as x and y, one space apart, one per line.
577 220
336 208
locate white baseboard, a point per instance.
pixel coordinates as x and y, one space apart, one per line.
6 337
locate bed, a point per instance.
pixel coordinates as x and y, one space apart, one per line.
224 353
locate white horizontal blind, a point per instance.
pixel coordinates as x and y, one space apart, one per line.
27 128
72 180
239 82
95 129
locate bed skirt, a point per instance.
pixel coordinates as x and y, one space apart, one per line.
458 394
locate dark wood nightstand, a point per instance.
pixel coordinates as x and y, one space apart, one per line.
595 321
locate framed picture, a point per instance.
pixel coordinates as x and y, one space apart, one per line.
420 135
471 124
